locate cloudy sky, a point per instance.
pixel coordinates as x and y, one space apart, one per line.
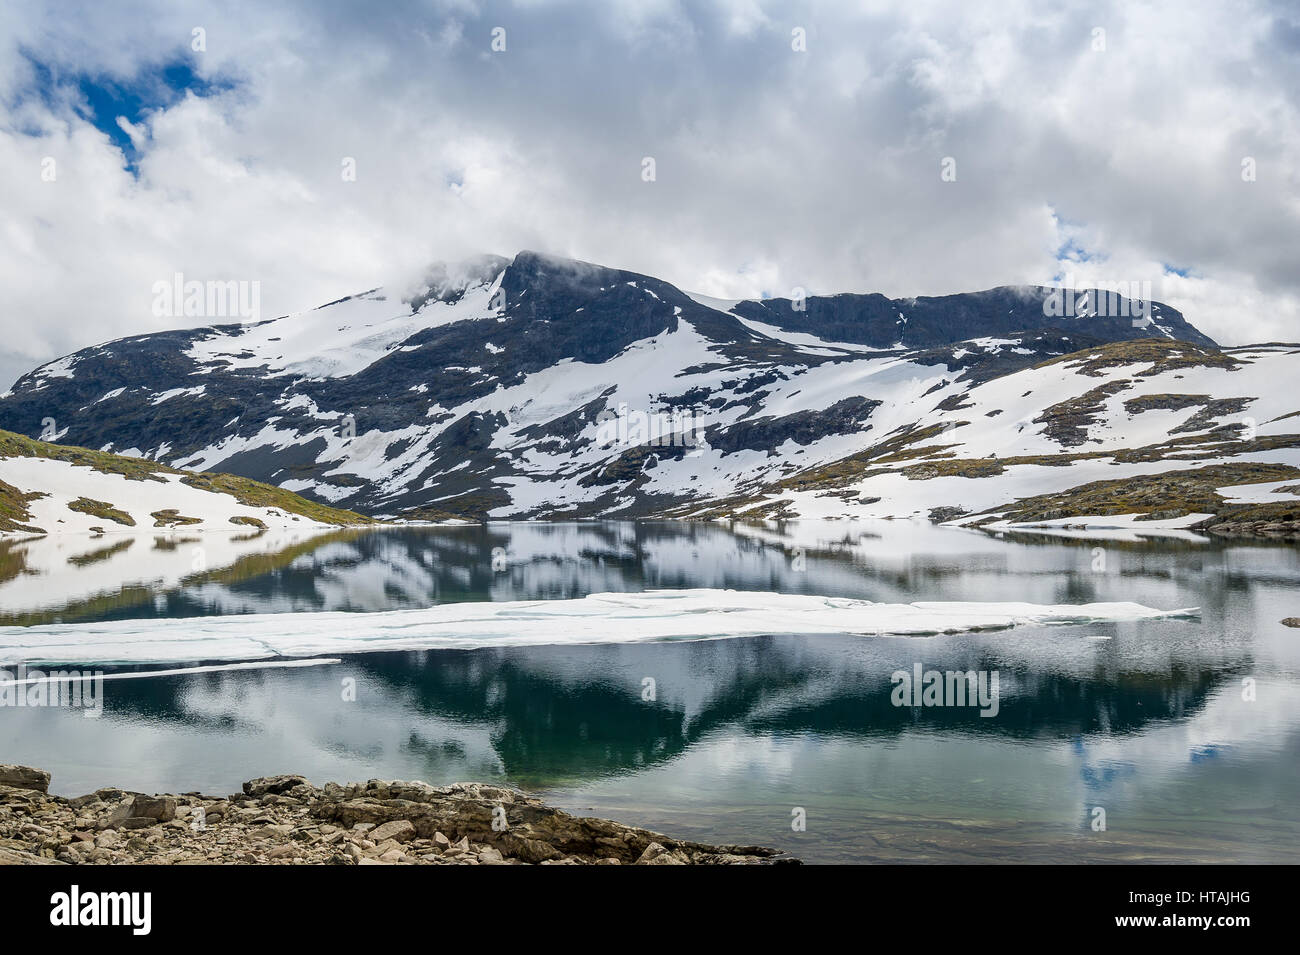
794 144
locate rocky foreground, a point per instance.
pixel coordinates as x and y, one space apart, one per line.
285 820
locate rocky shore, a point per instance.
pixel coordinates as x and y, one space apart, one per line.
284 820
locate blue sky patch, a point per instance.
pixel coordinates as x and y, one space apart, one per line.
101 98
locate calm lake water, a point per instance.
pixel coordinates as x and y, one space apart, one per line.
1186 732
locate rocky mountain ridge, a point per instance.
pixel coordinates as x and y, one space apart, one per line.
538 387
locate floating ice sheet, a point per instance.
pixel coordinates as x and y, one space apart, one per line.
597 618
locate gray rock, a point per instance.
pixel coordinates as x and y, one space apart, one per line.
400 829
380 822
24 777
490 856
117 815
652 852
161 808
273 784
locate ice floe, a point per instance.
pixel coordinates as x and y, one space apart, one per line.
598 618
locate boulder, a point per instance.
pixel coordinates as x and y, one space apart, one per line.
161 808
24 777
401 830
273 784
117 815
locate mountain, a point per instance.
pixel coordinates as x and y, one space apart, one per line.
539 387
49 488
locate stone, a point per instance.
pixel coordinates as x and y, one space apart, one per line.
68 854
652 852
161 808
24 777
400 829
117 815
273 784
675 857
382 822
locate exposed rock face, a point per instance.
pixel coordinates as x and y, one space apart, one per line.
928 321
284 820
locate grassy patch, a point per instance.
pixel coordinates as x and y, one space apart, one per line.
171 517
246 491
899 447
87 505
256 494
1161 353
133 469
13 509
1161 496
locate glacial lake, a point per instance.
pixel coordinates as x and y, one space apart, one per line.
1185 732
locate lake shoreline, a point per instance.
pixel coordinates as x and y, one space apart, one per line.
285 820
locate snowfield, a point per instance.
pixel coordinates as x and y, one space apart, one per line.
61 483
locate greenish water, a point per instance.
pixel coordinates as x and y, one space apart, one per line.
1152 722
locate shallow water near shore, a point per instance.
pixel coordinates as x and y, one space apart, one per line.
1150 721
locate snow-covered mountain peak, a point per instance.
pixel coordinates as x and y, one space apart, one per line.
544 386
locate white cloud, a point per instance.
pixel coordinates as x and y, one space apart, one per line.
775 168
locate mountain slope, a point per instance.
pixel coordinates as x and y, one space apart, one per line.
1022 447
48 488
938 320
543 387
